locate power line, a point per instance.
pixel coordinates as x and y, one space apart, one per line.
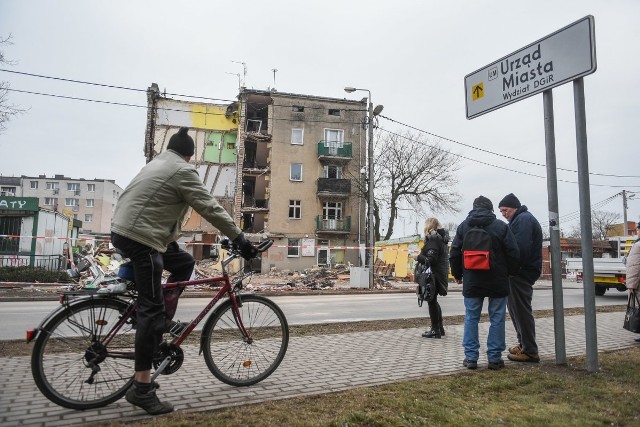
510 170
75 98
145 90
498 154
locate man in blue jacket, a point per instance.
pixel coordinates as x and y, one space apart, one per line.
528 234
480 284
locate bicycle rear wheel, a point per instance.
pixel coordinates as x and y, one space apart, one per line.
71 363
242 361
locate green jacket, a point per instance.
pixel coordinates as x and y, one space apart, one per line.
151 208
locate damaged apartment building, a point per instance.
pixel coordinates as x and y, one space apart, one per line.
286 166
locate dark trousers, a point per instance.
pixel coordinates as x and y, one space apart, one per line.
148 265
519 305
435 313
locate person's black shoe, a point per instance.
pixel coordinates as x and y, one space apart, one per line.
470 364
148 401
495 366
431 334
637 340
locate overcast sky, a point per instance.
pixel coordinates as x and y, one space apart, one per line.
412 55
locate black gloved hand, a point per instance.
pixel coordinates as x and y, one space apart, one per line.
247 250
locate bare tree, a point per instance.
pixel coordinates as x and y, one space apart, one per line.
7 109
410 172
601 223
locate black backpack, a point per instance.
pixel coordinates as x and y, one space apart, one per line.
476 249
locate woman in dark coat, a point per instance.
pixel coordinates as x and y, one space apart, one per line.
435 253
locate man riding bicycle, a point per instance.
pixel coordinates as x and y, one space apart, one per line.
145 226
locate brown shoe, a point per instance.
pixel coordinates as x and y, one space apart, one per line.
515 349
524 357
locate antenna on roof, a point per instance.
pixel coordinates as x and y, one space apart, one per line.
275 70
244 72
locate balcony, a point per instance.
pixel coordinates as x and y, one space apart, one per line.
333 225
343 153
334 187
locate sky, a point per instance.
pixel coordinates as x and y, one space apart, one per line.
412 56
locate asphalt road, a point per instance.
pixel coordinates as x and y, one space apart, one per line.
17 317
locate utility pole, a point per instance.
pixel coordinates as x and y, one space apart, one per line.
624 213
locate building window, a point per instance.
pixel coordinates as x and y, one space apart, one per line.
332 210
91 188
297 136
52 186
90 203
333 138
295 173
297 109
73 186
10 226
332 171
295 209
8 191
34 185
50 201
334 112
293 247
88 217
71 202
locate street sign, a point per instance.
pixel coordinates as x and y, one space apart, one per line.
558 58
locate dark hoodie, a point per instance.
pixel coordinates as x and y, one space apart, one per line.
435 253
492 283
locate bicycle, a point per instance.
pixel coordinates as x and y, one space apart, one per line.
83 354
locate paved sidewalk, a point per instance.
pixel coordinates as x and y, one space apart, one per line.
313 365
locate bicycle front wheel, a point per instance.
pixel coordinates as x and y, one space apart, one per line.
240 360
72 363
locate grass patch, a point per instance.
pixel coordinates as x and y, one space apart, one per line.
529 395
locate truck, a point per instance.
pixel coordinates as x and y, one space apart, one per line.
608 273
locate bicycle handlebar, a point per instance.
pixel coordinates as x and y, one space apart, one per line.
226 244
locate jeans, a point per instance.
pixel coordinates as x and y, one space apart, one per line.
496 338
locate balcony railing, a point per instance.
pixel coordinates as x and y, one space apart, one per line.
333 225
334 186
343 152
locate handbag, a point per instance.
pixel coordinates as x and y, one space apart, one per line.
426 289
632 317
418 270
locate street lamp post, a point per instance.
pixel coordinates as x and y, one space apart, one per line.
370 235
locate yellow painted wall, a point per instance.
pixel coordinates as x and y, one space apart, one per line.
211 117
398 253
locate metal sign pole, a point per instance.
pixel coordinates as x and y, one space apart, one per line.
585 224
554 228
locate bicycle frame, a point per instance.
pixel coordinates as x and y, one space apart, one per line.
92 337
226 289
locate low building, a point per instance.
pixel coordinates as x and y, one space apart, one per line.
33 236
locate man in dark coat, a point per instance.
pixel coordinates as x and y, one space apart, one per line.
480 284
529 237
